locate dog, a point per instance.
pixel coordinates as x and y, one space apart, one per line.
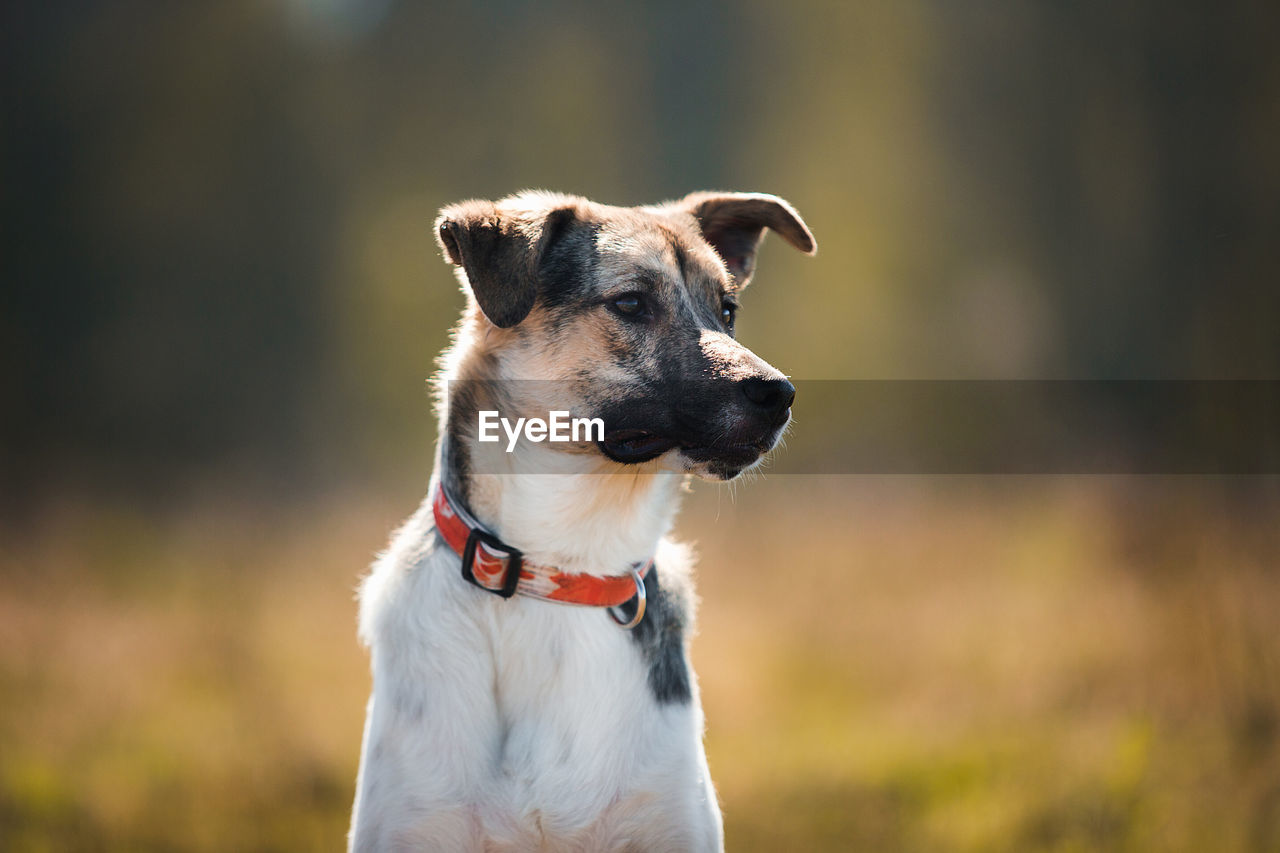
529 626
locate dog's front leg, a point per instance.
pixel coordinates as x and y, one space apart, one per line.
432 728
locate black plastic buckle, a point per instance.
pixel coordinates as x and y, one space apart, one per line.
514 558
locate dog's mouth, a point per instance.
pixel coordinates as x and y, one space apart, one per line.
632 446
733 455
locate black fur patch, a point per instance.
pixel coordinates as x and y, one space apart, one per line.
660 636
567 268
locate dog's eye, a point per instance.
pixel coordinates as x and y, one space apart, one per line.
728 312
630 305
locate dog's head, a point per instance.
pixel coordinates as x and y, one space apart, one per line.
629 312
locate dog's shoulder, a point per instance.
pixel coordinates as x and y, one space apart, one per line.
412 546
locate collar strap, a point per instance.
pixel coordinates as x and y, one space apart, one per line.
496 567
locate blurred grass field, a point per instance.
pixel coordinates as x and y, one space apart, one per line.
886 664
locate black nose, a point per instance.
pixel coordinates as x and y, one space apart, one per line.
774 395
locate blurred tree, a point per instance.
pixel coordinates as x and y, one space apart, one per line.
217 255
1130 148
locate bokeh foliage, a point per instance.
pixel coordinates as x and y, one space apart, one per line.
220 299
972 664
218 262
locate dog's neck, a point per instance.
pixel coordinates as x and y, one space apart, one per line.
576 511
561 506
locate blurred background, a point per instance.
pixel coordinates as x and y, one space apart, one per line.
221 297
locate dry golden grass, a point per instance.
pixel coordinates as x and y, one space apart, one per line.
886 664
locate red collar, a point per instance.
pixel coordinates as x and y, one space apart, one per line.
495 566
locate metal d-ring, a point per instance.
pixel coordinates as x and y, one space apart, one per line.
640 599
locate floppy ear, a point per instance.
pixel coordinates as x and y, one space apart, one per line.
733 224
500 254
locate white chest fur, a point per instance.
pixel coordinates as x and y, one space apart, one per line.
518 724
